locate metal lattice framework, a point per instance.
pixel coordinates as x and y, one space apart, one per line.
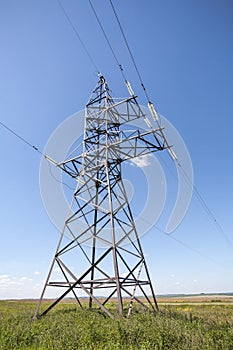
99 251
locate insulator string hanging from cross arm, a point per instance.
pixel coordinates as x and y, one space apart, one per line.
150 104
196 191
171 151
22 139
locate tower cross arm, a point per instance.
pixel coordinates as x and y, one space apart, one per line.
70 166
139 143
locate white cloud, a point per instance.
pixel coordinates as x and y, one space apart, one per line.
177 283
4 281
12 287
57 271
36 273
142 161
124 274
7 281
38 286
24 279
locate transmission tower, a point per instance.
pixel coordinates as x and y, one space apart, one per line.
99 253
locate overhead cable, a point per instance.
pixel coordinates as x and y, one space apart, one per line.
130 52
109 44
205 205
21 138
78 36
155 115
151 107
199 198
187 246
156 118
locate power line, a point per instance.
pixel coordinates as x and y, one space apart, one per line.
195 190
199 198
129 50
108 41
78 36
187 246
20 138
205 206
57 180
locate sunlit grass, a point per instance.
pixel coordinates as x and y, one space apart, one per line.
208 326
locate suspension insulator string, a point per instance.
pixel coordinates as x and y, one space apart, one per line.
155 116
150 104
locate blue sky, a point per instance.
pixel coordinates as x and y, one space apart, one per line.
184 52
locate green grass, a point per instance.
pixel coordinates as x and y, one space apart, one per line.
68 327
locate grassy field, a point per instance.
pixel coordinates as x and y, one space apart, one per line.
180 324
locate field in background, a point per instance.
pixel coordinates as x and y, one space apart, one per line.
199 298
187 322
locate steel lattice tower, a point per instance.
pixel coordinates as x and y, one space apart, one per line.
99 251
